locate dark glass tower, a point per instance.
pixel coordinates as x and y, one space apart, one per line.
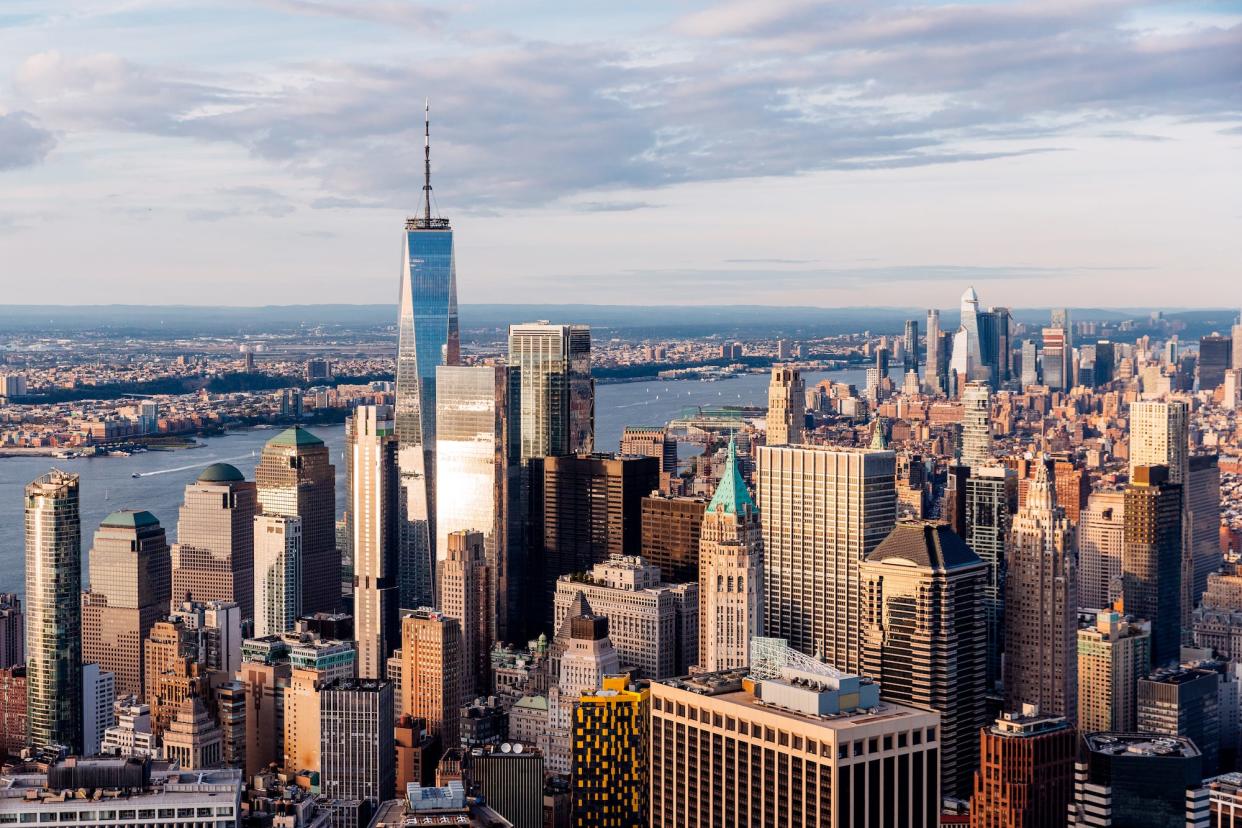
427 337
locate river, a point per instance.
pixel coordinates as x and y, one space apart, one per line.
107 483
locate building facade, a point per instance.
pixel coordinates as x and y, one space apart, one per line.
131 584
1112 656
557 392
822 511
213 558
924 638
373 510
431 672
278 567
1151 558
1026 772
295 477
1041 622
786 406
54 611
358 753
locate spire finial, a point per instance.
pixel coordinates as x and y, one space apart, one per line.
427 158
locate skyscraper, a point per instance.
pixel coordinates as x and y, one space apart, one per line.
592 509
990 502
478 480
131 583
1026 772
786 406
1159 436
1183 701
295 476
1112 656
1202 530
557 392
933 382
582 655
464 580
12 631
671 535
730 573
431 671
822 509
54 611
1030 363
1041 622
1215 358
924 639
651 441
1056 360
609 766
427 336
967 363
277 573
373 510
976 424
910 346
213 558
1101 537
1151 558
358 752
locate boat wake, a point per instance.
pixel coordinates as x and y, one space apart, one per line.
200 465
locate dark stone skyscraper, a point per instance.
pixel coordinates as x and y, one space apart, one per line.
1151 558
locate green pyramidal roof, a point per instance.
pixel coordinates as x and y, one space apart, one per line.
731 495
296 436
130 519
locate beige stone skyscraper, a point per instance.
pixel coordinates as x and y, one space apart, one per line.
295 477
1112 656
54 611
786 406
1101 534
730 573
464 581
131 582
373 479
193 740
924 636
1041 605
1159 437
431 671
822 509
213 558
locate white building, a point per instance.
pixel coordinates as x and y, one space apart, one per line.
277 573
98 697
131 735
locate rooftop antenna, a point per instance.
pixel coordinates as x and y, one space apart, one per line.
427 158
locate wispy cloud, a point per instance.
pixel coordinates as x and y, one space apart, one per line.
22 141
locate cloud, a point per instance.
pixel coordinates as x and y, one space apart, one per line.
772 89
22 141
611 206
396 12
235 202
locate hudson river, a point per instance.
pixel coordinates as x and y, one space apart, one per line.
107 483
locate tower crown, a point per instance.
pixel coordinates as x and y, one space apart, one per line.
731 496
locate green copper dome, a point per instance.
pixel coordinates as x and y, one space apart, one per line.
296 436
731 495
221 473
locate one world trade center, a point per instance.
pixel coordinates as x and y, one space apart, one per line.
427 336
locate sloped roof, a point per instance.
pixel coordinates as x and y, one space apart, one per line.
296 436
130 519
731 495
927 544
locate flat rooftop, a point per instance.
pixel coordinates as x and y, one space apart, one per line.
1141 744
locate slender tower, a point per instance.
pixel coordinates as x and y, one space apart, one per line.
427 337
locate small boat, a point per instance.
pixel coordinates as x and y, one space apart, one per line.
136 474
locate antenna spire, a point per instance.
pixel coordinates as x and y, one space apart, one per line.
427 158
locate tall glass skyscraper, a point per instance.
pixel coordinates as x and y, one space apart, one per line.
54 612
557 392
428 336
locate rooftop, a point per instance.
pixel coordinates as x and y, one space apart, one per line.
221 473
296 436
924 543
1140 744
732 496
130 519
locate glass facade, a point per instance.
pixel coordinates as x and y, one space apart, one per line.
477 473
557 392
54 611
428 337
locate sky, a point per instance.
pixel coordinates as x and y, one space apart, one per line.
777 152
